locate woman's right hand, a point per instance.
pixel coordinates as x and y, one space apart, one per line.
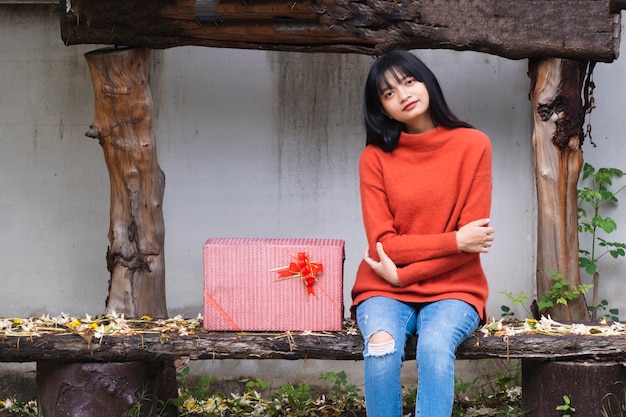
475 237
385 268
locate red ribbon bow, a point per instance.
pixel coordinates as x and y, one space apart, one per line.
303 267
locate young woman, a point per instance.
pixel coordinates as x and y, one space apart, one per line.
425 181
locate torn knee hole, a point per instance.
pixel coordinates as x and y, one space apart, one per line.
381 343
380 337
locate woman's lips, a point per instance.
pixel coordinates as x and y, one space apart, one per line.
410 105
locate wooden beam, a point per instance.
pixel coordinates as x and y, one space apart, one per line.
333 346
516 29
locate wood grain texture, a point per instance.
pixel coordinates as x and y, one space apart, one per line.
558 116
123 127
516 29
334 346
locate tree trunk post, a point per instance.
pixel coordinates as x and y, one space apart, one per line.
558 114
123 126
135 260
591 387
106 389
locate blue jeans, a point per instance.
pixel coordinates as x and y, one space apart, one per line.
441 326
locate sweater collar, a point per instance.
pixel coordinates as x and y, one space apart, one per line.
426 141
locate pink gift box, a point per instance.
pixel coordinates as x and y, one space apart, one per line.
244 291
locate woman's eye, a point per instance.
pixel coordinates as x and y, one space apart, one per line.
388 94
410 81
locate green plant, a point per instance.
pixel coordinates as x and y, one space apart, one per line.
603 310
592 198
497 396
19 408
560 293
297 397
142 400
203 388
566 407
409 397
199 400
495 392
344 396
462 389
250 403
611 401
520 299
136 409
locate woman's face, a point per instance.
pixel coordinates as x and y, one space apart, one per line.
406 100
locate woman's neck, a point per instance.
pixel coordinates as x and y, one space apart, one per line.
420 126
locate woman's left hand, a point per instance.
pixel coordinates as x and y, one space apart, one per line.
385 268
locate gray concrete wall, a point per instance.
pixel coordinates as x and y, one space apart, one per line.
253 144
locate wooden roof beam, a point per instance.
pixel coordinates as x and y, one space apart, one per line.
515 29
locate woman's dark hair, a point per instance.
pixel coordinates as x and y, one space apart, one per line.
383 131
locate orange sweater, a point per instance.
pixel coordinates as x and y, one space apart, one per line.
414 199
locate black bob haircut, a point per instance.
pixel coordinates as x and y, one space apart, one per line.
384 132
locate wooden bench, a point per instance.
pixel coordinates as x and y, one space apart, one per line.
551 364
329 346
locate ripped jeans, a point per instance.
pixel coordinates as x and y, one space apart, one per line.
441 326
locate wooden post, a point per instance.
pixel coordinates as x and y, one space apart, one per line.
558 113
590 386
106 389
123 125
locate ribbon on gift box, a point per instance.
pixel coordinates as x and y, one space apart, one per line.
302 266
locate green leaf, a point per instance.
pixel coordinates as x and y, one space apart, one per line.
616 253
588 170
617 172
607 224
545 303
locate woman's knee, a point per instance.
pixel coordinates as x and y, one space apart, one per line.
381 343
435 344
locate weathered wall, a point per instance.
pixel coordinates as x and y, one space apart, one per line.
266 144
253 144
